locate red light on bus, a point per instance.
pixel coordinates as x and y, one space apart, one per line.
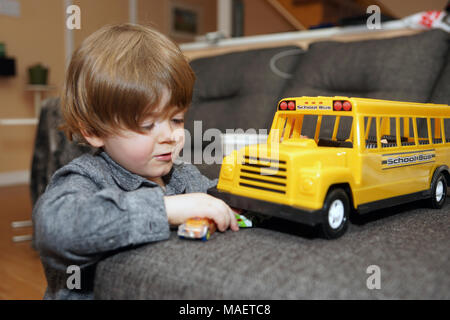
347 106
291 105
337 106
283 105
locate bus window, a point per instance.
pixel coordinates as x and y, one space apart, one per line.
334 131
436 126
422 131
317 127
345 127
389 132
309 125
370 132
385 127
287 126
336 127
447 130
326 127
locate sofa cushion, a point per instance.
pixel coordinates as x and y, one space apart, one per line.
408 243
402 68
441 90
215 78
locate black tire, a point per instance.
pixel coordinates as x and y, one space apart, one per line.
438 192
335 214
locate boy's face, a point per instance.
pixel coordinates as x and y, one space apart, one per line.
151 154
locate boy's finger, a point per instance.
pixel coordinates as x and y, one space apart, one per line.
224 212
234 224
220 223
227 217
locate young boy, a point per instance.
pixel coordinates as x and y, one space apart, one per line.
126 92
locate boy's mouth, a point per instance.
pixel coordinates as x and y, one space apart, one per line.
164 156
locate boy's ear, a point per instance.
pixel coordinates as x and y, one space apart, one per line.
92 140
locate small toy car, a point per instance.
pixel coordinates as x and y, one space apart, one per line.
197 228
243 222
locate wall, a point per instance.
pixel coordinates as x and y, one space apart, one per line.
315 12
261 18
38 35
95 14
156 13
401 8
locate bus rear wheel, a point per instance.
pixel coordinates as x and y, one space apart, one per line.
335 214
438 192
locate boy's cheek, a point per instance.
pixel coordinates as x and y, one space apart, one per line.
178 135
135 150
180 140
141 153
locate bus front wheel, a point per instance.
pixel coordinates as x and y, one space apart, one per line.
335 214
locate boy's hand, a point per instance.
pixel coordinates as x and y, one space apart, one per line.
181 207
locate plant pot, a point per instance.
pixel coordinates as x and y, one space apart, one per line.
38 75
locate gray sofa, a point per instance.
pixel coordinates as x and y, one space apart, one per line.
283 260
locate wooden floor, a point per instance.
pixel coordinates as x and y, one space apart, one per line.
21 272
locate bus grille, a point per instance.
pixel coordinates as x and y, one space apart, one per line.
263 174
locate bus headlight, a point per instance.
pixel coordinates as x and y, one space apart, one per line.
228 165
307 184
227 171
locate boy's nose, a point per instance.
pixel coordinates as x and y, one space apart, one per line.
165 132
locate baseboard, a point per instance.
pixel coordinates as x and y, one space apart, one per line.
14 178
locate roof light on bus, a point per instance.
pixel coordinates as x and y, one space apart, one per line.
337 106
347 106
283 105
291 105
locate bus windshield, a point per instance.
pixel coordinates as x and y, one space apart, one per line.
326 130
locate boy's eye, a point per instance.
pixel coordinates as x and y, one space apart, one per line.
178 121
147 126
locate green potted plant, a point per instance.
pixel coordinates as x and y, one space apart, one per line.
38 74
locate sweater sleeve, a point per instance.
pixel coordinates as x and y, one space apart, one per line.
77 221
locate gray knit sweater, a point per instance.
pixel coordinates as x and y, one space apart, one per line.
92 208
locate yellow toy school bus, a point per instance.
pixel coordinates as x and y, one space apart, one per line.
326 156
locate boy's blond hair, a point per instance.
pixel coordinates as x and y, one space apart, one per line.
117 77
